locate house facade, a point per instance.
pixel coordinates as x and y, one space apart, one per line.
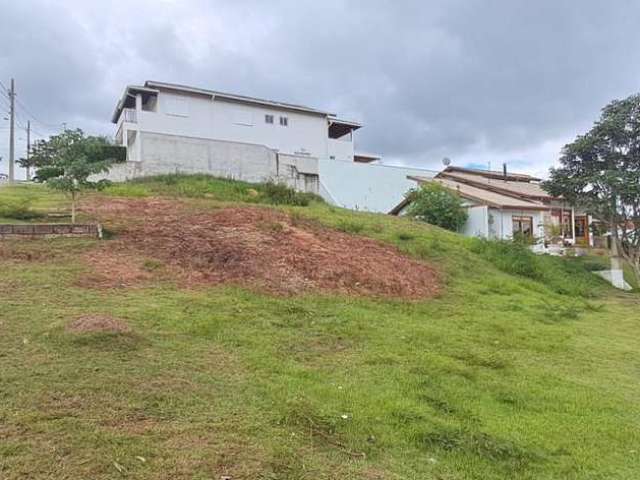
503 205
170 128
175 128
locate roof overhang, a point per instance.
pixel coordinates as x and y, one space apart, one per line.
128 99
233 97
483 201
362 157
339 128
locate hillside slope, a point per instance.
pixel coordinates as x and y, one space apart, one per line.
503 366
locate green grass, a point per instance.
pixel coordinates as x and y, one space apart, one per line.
205 186
506 375
21 203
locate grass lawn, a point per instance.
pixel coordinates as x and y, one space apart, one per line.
526 369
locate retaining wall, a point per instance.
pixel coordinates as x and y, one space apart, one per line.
49 230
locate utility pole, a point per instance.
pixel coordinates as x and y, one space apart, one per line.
12 119
28 148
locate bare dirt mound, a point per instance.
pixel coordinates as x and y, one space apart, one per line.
97 324
264 248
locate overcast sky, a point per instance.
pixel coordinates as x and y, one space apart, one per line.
477 81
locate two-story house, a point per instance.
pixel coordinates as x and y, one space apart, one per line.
176 128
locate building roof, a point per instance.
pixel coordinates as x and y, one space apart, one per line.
152 87
478 193
234 97
522 177
530 189
484 196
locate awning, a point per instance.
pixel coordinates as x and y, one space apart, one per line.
339 128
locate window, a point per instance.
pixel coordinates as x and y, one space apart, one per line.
284 121
268 119
523 226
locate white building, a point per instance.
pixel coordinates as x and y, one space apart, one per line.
171 128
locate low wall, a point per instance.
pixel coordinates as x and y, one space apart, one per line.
49 230
366 186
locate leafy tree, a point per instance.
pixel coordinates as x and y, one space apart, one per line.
437 205
66 161
600 172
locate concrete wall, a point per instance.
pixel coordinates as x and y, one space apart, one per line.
370 187
162 154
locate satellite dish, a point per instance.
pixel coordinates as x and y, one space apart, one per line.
446 161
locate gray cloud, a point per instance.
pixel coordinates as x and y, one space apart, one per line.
479 81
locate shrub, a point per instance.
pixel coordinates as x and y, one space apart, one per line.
280 194
350 226
437 205
18 210
405 236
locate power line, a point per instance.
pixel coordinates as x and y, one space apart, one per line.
28 112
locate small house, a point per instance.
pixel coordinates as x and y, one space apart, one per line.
502 205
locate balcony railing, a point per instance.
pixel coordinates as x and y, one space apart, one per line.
129 115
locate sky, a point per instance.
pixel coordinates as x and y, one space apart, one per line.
481 82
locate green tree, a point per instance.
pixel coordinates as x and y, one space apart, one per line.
66 161
437 205
600 172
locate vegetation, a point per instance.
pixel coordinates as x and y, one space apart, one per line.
65 162
205 186
437 205
600 171
17 210
521 369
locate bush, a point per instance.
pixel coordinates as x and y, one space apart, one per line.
437 205
18 210
280 194
350 226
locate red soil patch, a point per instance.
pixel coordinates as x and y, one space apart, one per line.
113 269
257 247
97 324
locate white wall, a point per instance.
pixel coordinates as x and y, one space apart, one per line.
305 133
502 226
361 186
341 149
201 117
478 222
